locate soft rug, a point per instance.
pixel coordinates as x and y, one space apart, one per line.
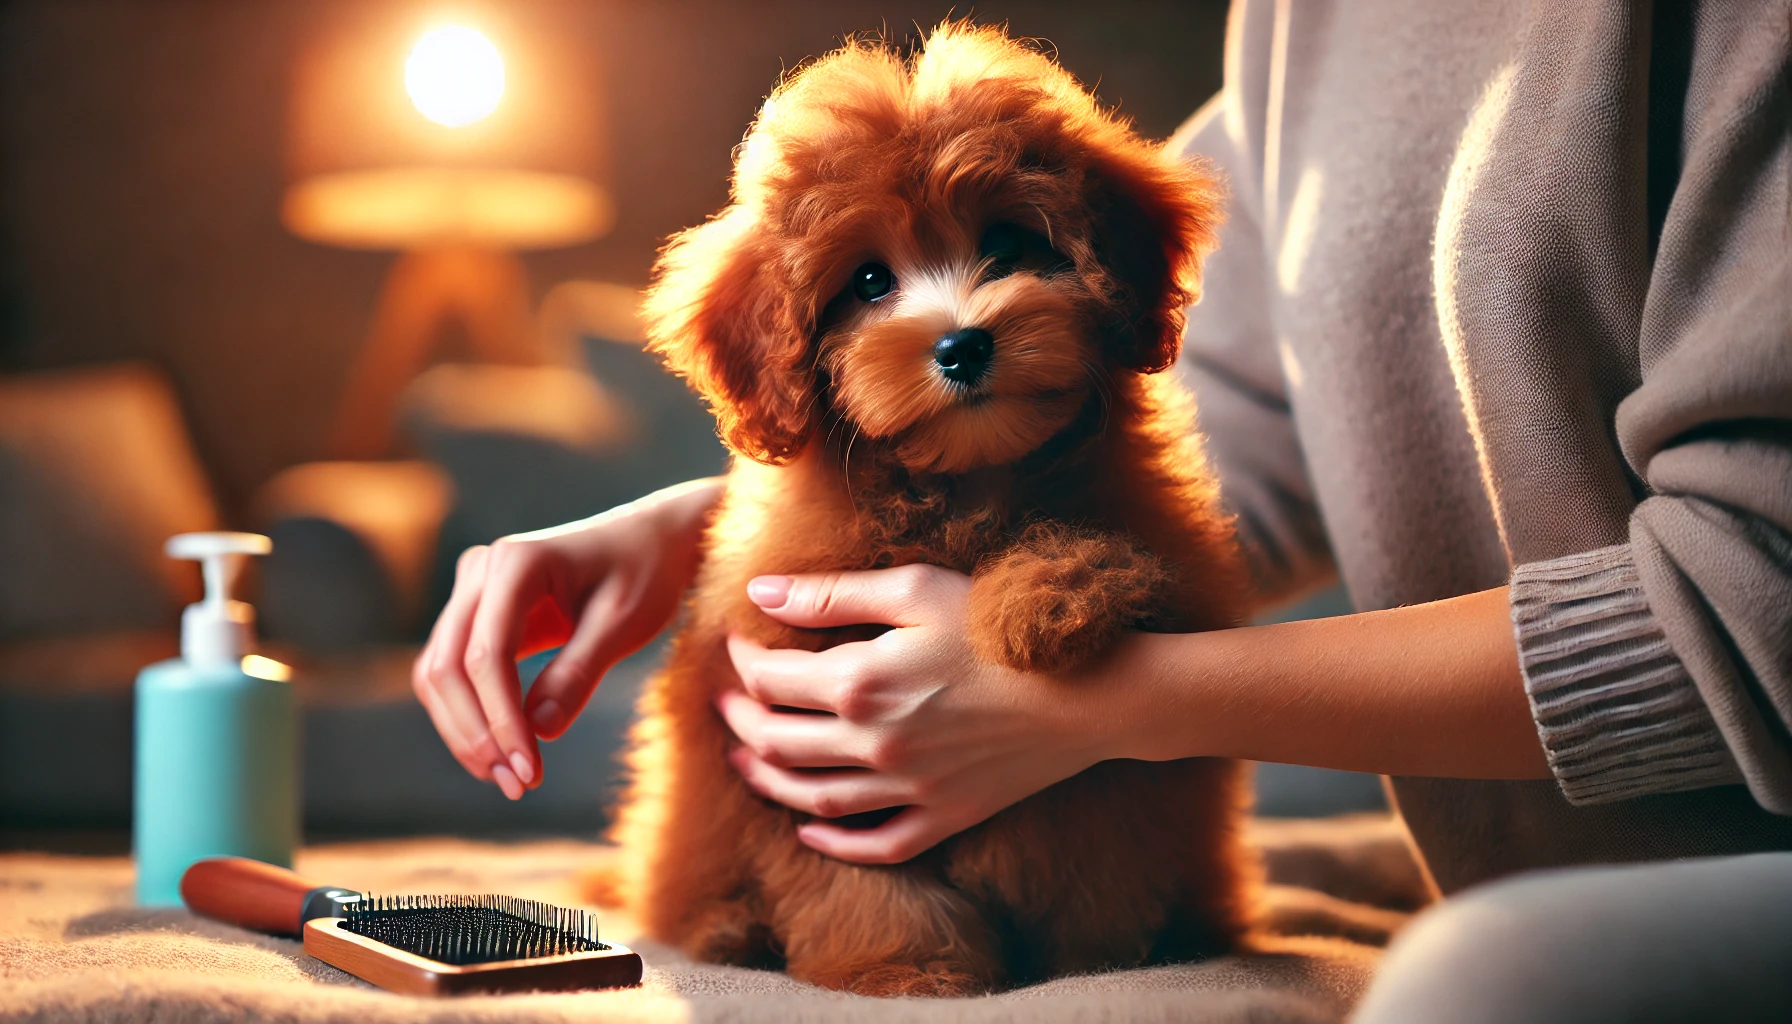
74 948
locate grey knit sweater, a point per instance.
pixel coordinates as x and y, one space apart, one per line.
1504 297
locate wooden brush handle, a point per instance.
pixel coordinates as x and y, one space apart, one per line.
249 893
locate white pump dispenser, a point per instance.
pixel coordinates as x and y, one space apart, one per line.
217 631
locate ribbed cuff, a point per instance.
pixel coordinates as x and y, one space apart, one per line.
1617 712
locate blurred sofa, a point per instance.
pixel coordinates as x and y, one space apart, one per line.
97 470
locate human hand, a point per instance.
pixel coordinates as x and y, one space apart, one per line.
602 587
912 719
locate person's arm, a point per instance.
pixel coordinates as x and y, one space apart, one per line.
913 719
1658 656
1425 690
599 589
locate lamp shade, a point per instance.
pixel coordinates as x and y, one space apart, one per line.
367 169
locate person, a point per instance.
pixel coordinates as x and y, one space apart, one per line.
1497 333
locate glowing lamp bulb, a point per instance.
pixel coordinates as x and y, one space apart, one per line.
454 76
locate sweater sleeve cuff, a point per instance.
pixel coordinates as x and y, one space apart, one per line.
1618 715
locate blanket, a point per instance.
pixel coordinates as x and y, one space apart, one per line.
73 947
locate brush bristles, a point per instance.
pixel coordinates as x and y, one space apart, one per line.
465 930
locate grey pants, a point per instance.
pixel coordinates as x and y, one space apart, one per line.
1695 940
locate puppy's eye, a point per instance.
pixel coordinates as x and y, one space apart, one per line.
1003 243
873 281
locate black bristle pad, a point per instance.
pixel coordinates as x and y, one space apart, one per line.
465 930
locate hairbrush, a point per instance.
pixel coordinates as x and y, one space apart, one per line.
421 945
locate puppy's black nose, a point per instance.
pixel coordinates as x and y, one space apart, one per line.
963 355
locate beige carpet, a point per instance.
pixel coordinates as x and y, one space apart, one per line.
74 948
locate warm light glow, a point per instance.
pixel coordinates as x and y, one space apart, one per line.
400 207
455 76
266 668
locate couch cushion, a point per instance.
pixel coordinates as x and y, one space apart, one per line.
96 472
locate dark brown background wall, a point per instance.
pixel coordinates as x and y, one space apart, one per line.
141 174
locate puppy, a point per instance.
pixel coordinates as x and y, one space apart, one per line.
931 326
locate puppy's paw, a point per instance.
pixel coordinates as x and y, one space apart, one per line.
939 979
731 933
1059 597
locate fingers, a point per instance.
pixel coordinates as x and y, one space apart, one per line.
439 677
598 642
514 582
904 596
476 754
833 680
786 739
824 794
908 834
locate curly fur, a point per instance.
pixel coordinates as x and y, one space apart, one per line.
1070 483
1056 598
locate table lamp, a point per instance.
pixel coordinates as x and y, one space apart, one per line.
457 140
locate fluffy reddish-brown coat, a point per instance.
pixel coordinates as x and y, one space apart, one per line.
1071 485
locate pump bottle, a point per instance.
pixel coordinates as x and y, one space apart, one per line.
216 736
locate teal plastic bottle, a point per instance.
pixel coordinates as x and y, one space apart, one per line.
216 736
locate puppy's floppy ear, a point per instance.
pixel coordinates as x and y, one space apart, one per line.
1153 221
721 314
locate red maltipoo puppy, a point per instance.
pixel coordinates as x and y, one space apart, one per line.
932 325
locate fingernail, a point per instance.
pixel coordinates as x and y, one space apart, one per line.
546 716
524 770
769 591
507 782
